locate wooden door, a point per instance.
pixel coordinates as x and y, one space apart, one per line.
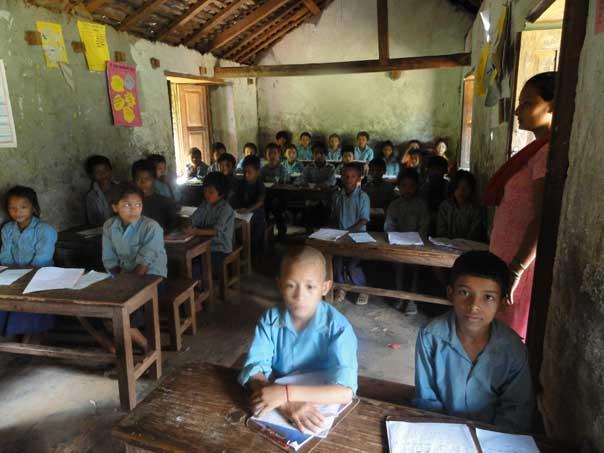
193 122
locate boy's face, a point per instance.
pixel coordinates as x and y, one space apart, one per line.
362 141
250 174
215 155
407 188
226 168
475 301
20 210
463 192
350 179
210 194
305 140
347 157
144 181
291 154
247 151
334 142
281 141
318 157
101 174
376 172
196 159
129 208
274 156
302 285
387 151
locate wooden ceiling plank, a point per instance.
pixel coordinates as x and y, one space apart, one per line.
382 17
246 23
189 14
140 14
93 5
312 7
347 67
218 19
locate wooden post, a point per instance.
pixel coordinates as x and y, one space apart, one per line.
382 17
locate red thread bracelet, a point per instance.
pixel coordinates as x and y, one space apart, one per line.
287 392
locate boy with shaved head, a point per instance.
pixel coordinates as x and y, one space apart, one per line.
302 334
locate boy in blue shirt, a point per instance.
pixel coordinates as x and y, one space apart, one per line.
304 148
281 140
363 151
249 149
334 153
273 171
102 189
303 334
218 149
293 167
227 164
393 167
469 364
350 211
319 172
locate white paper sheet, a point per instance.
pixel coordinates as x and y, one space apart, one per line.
361 238
328 234
49 278
10 276
91 232
459 244
376 211
245 217
187 211
494 442
410 238
406 437
89 279
268 185
3 268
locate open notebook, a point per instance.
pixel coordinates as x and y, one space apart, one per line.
48 278
274 427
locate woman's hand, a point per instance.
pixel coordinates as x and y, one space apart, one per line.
516 271
267 398
304 416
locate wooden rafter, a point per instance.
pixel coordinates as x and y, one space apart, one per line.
206 29
246 23
383 45
312 7
346 67
291 23
93 5
140 14
189 14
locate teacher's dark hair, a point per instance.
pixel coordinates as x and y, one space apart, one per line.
545 84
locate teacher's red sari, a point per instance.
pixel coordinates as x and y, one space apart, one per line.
512 189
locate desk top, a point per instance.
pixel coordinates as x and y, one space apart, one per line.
381 250
301 188
201 407
113 292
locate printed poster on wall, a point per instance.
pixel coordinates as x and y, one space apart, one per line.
52 43
123 95
8 135
599 16
95 42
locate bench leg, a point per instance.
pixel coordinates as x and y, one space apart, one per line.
152 333
192 312
124 359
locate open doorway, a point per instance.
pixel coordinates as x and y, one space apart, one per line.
466 121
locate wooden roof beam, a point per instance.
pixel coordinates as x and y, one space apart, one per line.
347 67
140 14
382 17
246 23
189 14
206 29
312 7
93 5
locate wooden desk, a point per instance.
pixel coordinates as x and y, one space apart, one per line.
74 250
381 250
115 299
244 230
201 408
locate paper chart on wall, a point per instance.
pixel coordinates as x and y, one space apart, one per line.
8 134
52 43
95 43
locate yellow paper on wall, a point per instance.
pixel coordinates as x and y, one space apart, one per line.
481 71
95 41
52 43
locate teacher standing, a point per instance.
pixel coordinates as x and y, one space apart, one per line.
517 191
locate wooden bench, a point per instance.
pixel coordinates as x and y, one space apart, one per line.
179 291
230 275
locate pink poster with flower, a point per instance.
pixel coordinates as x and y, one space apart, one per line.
123 95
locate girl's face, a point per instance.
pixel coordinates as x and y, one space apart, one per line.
101 174
362 141
129 208
20 210
387 151
441 148
533 111
462 192
305 140
210 194
226 168
291 154
334 142
247 151
347 157
215 155
160 170
196 159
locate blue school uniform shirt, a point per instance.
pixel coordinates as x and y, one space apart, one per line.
97 204
327 343
319 175
304 152
346 210
141 242
365 154
334 154
34 246
290 169
275 175
393 167
163 189
219 216
497 389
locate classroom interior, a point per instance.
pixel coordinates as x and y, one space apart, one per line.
238 71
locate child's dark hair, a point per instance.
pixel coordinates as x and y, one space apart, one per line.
23 192
347 149
414 140
482 264
282 134
217 180
545 84
305 134
156 159
363 134
194 150
251 161
123 190
388 143
408 173
438 162
336 136
463 175
355 166
291 146
271 147
95 160
251 146
378 162
219 146
319 147
439 140
226 157
143 165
